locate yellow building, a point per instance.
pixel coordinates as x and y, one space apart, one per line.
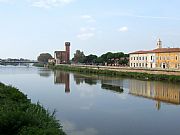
168 58
159 58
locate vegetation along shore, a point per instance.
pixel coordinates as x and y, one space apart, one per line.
137 74
18 116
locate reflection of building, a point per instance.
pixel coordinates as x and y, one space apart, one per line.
165 92
63 57
62 78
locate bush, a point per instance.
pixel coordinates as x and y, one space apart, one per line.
18 116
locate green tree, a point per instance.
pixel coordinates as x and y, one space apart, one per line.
90 59
43 57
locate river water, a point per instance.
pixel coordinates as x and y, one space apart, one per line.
97 105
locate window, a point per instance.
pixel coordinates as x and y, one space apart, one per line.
134 58
139 64
151 57
131 64
142 58
136 64
139 58
176 58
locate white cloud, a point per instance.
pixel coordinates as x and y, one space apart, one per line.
123 29
49 3
86 33
88 18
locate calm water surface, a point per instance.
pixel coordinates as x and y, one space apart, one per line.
96 105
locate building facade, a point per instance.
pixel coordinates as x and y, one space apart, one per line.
63 57
159 58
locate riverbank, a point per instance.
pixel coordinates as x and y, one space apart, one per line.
123 72
18 116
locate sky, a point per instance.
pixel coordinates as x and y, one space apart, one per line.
31 27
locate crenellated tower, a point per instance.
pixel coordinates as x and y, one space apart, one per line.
67 45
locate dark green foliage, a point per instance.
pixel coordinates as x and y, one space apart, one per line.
90 59
141 76
19 117
43 57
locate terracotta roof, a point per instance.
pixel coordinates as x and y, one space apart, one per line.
159 50
166 50
140 52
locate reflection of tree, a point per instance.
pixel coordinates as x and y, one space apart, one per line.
84 79
78 79
45 74
90 81
112 87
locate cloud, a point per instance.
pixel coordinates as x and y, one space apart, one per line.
86 33
49 3
123 29
88 18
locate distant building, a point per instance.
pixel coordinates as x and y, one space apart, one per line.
51 61
159 58
63 57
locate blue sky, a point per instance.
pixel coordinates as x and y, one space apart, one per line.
29 27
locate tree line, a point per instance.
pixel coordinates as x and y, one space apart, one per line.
108 58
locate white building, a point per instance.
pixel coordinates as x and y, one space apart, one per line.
144 59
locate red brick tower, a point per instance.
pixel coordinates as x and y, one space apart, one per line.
67 44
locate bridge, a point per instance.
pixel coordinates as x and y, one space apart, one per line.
19 62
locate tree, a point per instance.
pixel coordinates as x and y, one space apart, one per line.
90 59
79 57
43 57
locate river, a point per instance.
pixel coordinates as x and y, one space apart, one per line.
99 105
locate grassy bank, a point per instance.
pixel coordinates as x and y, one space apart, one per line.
18 116
136 75
38 64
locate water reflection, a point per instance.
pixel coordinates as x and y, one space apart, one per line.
78 78
106 83
62 78
159 91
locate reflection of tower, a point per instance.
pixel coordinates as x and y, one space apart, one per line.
67 89
158 105
62 78
67 44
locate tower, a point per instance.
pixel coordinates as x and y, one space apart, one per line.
159 44
67 45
